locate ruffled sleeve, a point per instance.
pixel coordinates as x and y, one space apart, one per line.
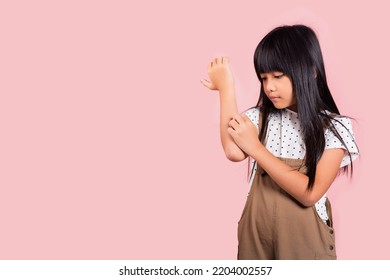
343 126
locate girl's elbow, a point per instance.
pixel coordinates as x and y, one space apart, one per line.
234 156
308 202
309 199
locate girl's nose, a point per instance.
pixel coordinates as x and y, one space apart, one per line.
270 86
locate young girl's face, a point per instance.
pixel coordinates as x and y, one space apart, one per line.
278 88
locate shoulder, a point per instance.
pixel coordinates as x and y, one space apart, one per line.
340 125
342 122
253 115
340 134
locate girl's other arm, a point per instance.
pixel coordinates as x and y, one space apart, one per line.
292 181
221 79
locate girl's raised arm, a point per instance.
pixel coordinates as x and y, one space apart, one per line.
221 79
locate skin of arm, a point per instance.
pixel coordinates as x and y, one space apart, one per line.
293 182
221 79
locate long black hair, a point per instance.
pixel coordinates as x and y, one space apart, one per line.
295 51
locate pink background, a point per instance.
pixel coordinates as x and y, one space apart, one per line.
109 144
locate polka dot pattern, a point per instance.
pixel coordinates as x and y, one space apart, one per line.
284 139
344 128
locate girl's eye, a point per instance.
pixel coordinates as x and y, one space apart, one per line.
278 76
263 78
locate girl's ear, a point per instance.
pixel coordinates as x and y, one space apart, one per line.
314 72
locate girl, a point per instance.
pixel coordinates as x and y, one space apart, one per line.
297 142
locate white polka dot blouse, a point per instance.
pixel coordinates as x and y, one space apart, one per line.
284 139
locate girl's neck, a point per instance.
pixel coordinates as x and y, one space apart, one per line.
293 108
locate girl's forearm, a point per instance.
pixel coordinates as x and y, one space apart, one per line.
228 109
294 182
221 79
289 179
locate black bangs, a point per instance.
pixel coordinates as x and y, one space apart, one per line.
273 53
268 58
284 49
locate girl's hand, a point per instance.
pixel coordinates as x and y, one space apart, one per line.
244 133
220 74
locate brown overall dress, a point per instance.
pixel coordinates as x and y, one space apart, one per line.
274 225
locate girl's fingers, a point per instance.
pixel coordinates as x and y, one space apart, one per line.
233 123
218 60
238 118
221 59
206 83
230 131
